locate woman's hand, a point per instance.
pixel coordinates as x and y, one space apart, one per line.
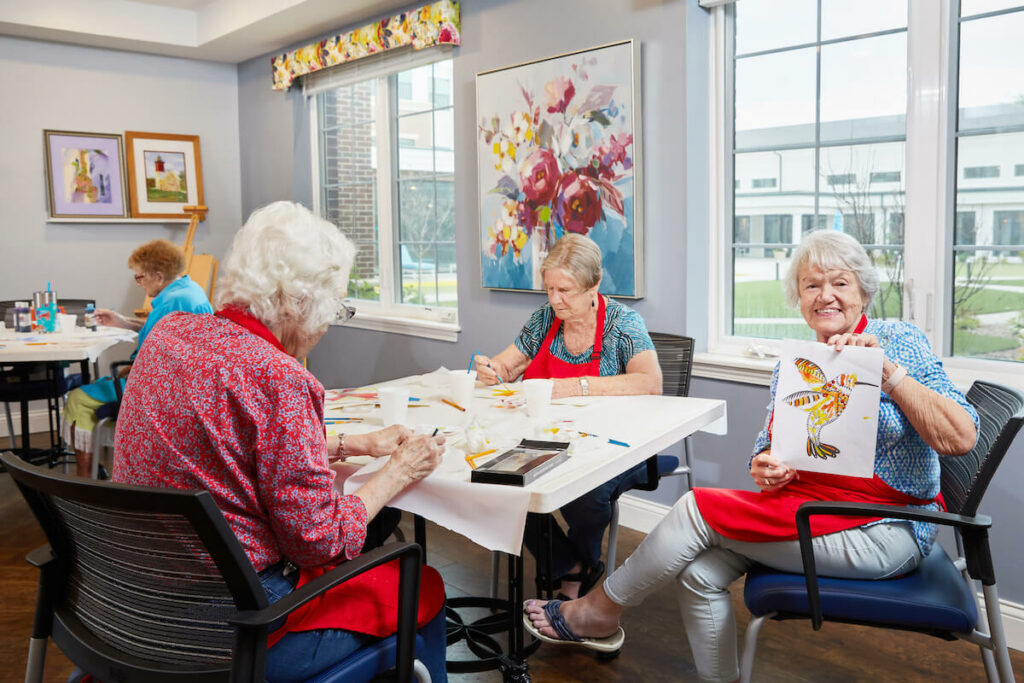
109 318
417 457
485 371
378 443
565 386
768 473
852 339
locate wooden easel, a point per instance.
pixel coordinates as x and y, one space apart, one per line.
201 268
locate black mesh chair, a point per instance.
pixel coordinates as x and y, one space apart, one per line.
939 597
151 585
675 356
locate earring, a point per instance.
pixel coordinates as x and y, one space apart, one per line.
593 303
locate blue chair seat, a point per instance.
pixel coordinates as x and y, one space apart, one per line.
933 598
366 663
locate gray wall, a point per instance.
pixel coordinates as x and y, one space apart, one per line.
62 87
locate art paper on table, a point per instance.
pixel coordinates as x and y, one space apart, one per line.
826 408
558 151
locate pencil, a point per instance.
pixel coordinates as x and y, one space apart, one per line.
471 459
453 404
618 443
343 419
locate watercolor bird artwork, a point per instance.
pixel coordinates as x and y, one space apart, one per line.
824 403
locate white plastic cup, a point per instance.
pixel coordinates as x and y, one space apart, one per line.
460 387
394 405
538 396
67 321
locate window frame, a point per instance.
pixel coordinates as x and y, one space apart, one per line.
388 314
932 26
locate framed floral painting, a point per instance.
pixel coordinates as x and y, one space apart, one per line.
558 150
84 174
165 174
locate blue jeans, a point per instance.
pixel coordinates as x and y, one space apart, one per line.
587 516
299 656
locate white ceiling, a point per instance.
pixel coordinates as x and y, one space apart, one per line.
217 30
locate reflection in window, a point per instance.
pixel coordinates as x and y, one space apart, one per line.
981 172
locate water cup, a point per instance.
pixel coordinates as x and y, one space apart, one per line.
394 404
67 321
538 396
460 387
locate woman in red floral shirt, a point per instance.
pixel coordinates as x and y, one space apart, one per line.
223 403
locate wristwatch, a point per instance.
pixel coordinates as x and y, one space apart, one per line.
584 387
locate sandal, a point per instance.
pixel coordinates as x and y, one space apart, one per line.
566 636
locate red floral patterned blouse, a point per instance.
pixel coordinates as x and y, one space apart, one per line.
212 405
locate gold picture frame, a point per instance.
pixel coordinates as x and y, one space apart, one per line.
165 174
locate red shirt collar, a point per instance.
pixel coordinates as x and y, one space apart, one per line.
861 324
242 317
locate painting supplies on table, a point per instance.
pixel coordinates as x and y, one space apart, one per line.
453 404
522 464
328 420
614 442
471 458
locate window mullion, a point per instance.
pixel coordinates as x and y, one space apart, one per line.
386 245
929 154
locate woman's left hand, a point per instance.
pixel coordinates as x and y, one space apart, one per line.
852 339
384 441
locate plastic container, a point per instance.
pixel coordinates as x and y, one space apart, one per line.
22 317
89 319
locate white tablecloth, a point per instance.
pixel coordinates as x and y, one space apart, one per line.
493 516
80 344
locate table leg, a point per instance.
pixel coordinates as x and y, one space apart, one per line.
420 534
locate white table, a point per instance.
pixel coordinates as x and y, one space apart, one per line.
81 345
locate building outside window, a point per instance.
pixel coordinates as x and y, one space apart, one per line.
385 175
816 95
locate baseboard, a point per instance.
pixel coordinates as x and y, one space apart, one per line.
38 421
643 515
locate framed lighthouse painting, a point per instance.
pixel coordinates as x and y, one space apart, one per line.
826 408
165 174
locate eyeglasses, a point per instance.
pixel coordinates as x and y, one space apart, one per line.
139 277
344 314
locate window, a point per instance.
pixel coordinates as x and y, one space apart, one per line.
385 175
981 172
815 93
760 183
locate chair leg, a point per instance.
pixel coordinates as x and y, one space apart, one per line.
995 626
689 464
613 539
495 572
36 660
750 646
10 426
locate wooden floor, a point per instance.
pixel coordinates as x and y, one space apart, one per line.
655 649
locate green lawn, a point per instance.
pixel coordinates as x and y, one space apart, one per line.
764 299
970 344
994 301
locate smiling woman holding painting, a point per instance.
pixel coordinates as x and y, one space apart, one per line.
590 345
712 536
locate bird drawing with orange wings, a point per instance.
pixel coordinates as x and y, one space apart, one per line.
824 403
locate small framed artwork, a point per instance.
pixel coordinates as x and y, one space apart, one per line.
559 151
84 174
165 174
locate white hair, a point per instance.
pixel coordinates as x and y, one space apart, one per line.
831 250
287 265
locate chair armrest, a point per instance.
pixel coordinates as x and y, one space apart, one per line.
41 556
113 375
341 573
976 528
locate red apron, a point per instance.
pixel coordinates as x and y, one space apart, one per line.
367 603
771 516
545 366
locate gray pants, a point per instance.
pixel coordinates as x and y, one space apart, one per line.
684 548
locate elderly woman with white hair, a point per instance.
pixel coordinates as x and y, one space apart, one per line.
590 345
223 403
712 536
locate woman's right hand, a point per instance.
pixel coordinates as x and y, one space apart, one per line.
417 457
485 371
109 318
768 473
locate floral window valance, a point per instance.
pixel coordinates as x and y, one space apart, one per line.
430 25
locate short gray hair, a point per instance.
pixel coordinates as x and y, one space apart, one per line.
831 250
287 265
577 255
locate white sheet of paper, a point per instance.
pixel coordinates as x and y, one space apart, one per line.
826 417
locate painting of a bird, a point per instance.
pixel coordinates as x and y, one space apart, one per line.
824 403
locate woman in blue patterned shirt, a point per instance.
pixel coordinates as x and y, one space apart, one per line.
711 537
590 345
